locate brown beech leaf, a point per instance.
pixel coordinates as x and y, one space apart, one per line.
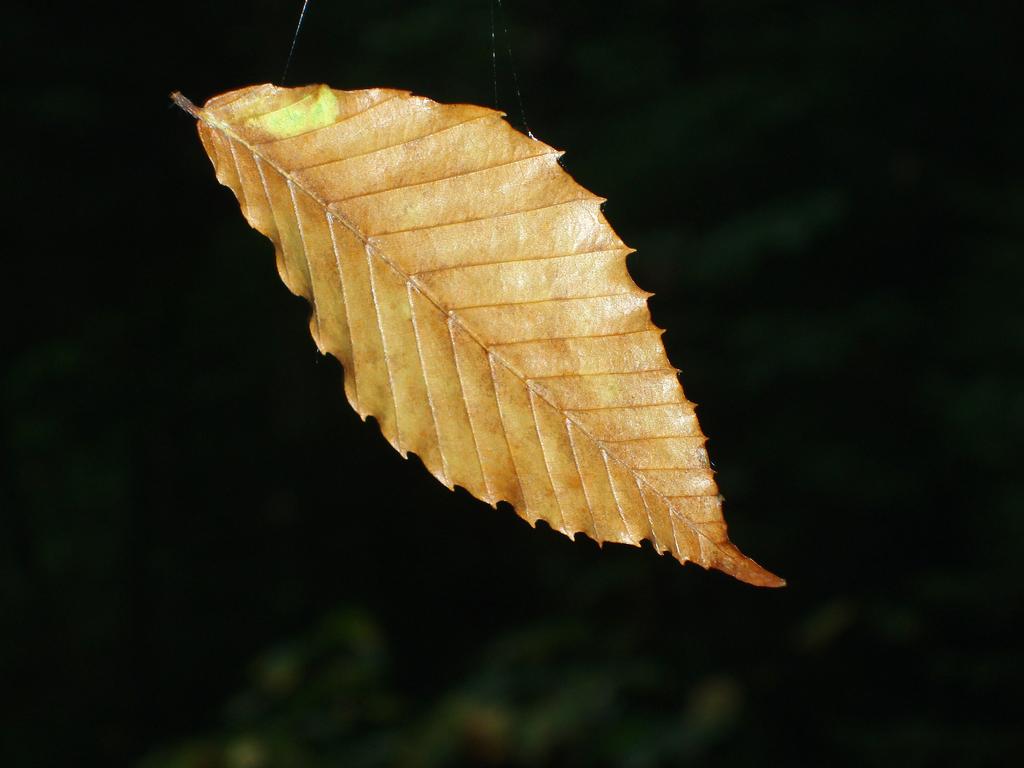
481 307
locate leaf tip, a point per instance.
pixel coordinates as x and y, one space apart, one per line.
743 568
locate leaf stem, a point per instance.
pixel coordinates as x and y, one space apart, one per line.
185 104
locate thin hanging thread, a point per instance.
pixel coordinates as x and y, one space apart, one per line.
494 57
295 39
511 64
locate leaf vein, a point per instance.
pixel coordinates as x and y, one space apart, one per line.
583 483
489 217
544 454
345 158
348 318
427 182
426 385
387 356
549 300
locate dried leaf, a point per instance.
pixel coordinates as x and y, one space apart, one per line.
481 307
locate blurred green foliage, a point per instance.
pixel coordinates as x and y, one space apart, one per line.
532 699
198 561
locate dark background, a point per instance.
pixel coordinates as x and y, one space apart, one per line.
207 560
